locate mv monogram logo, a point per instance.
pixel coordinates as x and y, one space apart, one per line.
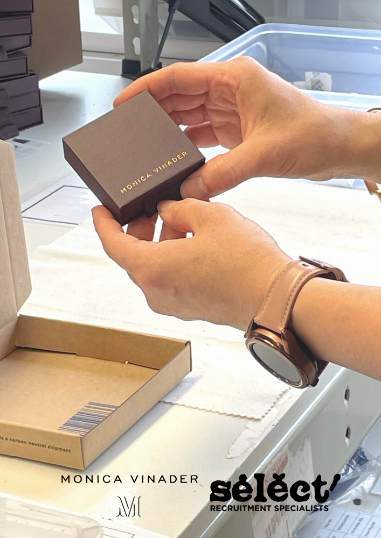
127 509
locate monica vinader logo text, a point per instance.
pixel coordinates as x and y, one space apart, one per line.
154 171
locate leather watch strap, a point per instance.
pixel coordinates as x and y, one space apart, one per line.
277 307
372 186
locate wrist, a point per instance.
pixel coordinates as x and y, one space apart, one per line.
258 285
319 315
358 145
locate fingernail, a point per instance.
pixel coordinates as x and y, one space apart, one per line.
164 205
193 187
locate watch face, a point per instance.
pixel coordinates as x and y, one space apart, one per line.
276 363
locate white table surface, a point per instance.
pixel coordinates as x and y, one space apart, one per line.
174 439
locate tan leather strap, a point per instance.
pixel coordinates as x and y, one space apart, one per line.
277 307
372 187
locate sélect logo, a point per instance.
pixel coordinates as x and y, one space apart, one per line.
277 490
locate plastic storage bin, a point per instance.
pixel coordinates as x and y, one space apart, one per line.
343 13
351 57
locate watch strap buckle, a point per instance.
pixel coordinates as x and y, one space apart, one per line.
333 271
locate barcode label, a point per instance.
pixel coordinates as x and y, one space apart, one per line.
88 418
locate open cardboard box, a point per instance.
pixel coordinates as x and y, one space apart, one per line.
68 390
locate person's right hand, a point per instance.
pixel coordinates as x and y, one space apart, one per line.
272 128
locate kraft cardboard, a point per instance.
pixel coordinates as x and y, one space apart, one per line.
68 390
57 41
133 157
49 396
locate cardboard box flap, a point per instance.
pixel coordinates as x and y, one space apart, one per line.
15 284
97 342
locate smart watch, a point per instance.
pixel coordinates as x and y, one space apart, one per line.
269 338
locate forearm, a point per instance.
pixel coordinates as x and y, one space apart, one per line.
341 323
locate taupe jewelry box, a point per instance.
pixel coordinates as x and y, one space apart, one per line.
14 25
68 390
16 6
14 65
133 157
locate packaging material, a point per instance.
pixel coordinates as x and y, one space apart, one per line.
20 101
21 86
16 6
29 102
133 157
30 520
15 43
20 105
7 128
353 509
14 65
25 119
4 100
315 81
68 390
56 37
358 477
15 25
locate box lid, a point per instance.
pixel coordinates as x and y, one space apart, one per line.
15 284
133 157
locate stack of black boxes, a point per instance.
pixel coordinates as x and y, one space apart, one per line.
20 101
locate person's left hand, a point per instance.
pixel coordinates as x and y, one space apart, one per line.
221 274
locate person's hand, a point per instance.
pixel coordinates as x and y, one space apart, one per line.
272 128
221 274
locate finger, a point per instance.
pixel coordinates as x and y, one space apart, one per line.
124 249
221 173
182 78
190 117
168 233
186 215
202 136
181 102
142 228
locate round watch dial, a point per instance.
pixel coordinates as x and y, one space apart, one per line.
276 363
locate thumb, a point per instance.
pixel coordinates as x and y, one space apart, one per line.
220 173
184 216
